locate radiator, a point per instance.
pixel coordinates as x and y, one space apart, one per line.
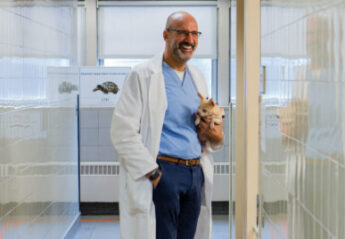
99 181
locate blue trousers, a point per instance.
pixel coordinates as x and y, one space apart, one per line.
177 200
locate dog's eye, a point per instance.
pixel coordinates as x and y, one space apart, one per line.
204 110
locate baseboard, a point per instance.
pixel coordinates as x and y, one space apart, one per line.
220 208
99 208
112 208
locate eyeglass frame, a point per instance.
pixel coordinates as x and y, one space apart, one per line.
186 33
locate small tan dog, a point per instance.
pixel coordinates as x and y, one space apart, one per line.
209 109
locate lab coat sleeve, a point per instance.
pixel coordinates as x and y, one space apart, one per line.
125 129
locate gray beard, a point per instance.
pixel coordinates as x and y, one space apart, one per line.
180 55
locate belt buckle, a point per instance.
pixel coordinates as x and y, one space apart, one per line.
187 163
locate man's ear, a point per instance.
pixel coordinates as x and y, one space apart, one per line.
165 35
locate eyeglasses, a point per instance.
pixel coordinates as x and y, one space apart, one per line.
185 33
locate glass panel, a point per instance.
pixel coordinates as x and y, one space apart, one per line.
38 124
302 120
100 88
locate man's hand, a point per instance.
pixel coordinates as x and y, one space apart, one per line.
156 181
205 133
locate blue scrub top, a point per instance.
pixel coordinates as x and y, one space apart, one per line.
179 137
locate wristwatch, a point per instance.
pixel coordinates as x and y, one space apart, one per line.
155 174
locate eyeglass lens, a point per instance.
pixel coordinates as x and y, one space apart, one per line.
185 33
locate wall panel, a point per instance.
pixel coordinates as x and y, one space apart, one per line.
302 143
38 120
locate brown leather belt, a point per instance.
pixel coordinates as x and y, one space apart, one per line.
188 162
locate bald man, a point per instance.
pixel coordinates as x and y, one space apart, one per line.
153 131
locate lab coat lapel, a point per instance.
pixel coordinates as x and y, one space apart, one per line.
198 81
157 102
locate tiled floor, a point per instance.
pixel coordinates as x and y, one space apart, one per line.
107 227
104 227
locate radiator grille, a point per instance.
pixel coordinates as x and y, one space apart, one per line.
86 168
99 168
221 168
38 169
113 168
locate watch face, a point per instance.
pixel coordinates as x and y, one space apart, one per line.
154 175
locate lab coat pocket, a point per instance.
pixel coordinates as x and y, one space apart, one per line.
139 194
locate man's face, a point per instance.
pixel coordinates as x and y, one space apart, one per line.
182 45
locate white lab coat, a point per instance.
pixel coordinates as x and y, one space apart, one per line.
135 131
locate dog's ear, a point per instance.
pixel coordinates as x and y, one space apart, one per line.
212 102
200 96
